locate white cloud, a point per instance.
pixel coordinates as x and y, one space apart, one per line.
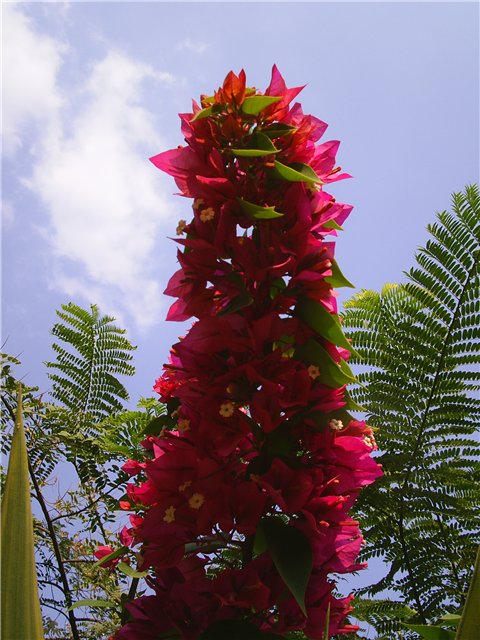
30 64
196 46
104 199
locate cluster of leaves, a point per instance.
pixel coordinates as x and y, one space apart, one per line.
81 433
419 355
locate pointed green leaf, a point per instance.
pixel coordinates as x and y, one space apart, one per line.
431 632
278 129
203 113
21 615
155 426
254 104
469 626
253 153
331 224
128 571
451 619
261 145
113 447
278 285
337 279
111 556
89 602
244 299
257 211
297 172
332 374
291 554
326 324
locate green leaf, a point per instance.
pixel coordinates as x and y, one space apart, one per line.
351 403
278 285
155 426
332 374
111 556
297 172
128 571
291 554
257 211
89 602
203 113
331 224
451 619
21 616
261 145
244 299
236 630
337 279
326 324
254 104
113 447
259 542
240 301
469 626
431 632
278 129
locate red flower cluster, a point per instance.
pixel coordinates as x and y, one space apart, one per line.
255 436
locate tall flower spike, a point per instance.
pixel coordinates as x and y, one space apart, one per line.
242 511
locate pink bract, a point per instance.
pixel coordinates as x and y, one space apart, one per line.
257 424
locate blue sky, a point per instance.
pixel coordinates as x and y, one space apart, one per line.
91 90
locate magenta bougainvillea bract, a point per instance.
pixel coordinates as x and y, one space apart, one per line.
240 509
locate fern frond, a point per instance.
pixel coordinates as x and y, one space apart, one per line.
91 353
419 357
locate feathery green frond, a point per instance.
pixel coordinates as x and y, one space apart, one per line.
91 353
419 346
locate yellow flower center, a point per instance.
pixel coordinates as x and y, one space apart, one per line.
227 409
185 485
169 514
313 371
370 441
207 214
196 500
335 425
183 425
198 203
181 227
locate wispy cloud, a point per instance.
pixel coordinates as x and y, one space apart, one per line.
31 62
104 199
195 46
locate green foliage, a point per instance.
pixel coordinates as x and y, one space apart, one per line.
93 352
84 435
383 615
292 555
419 351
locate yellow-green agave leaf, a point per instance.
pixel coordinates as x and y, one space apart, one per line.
21 616
469 627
